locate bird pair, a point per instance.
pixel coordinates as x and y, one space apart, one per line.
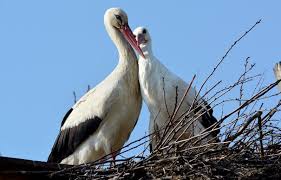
102 120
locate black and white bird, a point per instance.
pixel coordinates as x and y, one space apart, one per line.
101 121
277 73
153 77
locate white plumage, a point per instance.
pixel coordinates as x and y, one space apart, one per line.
277 73
102 120
151 75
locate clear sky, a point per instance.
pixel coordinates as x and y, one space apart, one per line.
48 49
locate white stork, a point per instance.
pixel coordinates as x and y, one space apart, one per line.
101 121
277 72
153 77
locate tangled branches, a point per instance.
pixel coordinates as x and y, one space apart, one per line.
249 136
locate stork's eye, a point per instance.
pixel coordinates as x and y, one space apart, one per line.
144 31
118 17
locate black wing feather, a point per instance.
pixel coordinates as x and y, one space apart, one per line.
208 119
70 138
66 116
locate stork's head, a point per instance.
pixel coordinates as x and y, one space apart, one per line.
143 38
118 19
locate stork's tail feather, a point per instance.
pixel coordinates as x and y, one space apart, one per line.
208 119
277 72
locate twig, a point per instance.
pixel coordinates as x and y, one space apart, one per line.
261 136
74 97
233 137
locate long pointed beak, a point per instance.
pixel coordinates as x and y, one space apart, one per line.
128 34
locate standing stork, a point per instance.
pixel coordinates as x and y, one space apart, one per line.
102 120
277 73
153 78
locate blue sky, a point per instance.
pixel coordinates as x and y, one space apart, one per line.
48 49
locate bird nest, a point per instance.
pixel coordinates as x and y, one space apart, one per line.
211 164
249 146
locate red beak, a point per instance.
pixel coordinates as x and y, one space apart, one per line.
128 34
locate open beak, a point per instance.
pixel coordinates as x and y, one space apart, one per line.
128 34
